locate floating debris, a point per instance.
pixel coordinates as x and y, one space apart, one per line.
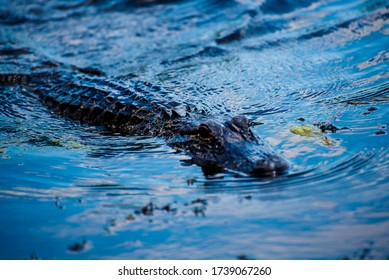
45 141
78 247
53 142
357 102
72 145
305 130
316 131
199 207
327 127
372 109
327 141
191 181
169 209
130 217
369 110
147 210
199 211
255 123
58 204
380 132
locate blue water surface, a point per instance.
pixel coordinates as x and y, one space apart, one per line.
73 191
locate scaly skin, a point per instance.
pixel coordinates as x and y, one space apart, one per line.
215 146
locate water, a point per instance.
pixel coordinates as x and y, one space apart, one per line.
71 191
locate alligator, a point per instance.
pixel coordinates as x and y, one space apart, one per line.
215 144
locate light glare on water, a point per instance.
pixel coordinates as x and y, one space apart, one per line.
283 64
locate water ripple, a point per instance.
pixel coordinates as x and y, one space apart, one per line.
283 63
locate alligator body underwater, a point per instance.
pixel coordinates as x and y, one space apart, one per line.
214 144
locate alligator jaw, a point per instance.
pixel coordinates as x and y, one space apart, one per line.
229 145
270 166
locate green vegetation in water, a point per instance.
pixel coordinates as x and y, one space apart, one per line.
191 181
313 132
49 141
73 145
306 130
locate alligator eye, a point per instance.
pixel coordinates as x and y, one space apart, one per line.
241 121
204 132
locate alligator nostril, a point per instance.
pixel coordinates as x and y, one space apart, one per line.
280 164
263 167
270 166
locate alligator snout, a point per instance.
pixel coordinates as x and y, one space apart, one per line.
270 166
230 145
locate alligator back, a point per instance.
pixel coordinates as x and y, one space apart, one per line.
121 107
128 109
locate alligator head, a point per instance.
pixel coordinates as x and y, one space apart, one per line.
231 145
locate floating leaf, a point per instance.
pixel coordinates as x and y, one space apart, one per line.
328 141
305 130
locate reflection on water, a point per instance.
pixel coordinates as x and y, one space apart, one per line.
71 191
